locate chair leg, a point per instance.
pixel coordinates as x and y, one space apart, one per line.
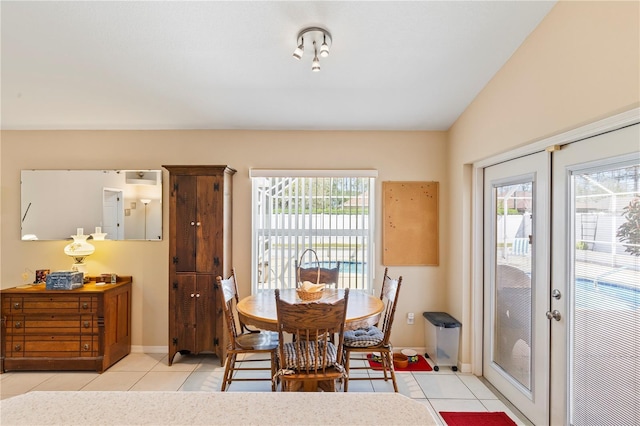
274 369
393 380
384 361
346 369
389 357
228 370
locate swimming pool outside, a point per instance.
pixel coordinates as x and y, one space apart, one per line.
591 294
346 267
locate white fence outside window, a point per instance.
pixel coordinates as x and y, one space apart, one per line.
327 211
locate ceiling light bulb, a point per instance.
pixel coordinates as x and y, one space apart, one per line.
324 49
299 51
315 67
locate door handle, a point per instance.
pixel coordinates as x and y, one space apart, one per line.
555 314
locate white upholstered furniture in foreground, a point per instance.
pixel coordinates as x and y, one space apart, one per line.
212 408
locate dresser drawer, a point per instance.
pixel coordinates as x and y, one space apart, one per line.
54 304
54 346
55 324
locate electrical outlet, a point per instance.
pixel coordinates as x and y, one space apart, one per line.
410 318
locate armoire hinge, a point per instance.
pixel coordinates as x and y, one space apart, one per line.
175 285
174 341
216 187
175 259
216 261
216 342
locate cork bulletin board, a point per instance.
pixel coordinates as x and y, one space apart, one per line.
410 223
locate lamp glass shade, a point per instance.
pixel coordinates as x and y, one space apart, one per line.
324 50
298 52
79 248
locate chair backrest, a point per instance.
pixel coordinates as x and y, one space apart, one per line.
329 276
389 296
228 292
312 322
510 276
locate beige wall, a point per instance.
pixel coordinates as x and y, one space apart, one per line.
396 155
581 64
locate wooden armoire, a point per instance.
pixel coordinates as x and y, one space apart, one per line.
199 251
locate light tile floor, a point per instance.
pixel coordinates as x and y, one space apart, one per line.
444 390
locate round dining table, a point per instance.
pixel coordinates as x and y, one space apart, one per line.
259 310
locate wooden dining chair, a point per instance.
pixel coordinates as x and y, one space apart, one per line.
309 360
375 339
243 341
328 276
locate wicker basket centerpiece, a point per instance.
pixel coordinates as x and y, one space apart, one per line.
307 290
310 291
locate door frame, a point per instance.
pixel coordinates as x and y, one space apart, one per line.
476 253
119 232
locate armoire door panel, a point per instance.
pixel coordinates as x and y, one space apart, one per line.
184 315
209 219
185 211
205 311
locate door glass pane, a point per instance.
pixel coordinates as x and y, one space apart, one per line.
513 276
605 337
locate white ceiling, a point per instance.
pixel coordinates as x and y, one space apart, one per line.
394 65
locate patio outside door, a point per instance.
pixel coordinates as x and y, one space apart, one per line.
516 277
595 344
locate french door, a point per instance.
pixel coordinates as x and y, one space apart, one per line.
562 281
595 344
516 276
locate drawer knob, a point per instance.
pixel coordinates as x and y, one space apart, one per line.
85 347
16 305
85 305
18 324
86 324
17 348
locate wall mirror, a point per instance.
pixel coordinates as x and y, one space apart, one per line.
121 204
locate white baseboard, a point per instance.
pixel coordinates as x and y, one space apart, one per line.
149 349
464 368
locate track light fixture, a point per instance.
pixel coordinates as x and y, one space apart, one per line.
324 49
315 36
299 51
315 67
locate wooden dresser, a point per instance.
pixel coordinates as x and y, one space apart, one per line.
83 329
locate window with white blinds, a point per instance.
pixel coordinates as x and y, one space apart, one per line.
328 211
